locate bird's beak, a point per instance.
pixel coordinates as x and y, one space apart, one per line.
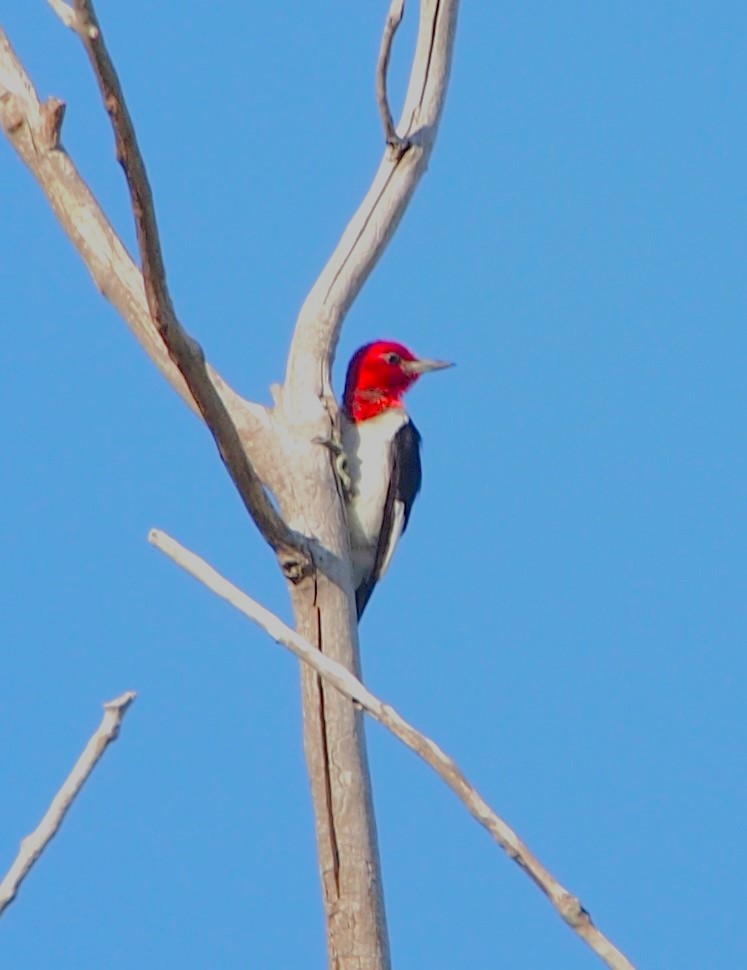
425 366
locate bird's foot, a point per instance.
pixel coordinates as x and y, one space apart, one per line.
339 460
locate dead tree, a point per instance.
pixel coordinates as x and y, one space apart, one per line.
288 450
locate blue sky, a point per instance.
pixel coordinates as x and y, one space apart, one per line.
567 613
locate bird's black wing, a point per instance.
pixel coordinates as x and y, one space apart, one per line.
404 485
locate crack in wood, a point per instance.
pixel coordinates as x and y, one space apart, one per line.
327 766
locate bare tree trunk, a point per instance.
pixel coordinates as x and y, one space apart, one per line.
333 729
345 828
333 733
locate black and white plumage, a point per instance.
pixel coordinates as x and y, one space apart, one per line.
383 462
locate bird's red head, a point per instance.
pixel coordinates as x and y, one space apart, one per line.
378 376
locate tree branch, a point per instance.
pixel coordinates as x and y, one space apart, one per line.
35 843
65 12
369 231
183 350
22 116
566 904
393 20
33 130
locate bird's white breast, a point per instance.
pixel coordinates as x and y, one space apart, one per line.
368 447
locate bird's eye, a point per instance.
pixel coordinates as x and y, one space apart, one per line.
393 359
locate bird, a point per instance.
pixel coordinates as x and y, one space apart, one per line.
381 448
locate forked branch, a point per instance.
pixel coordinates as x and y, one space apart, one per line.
183 350
35 843
24 119
372 226
334 740
566 904
33 130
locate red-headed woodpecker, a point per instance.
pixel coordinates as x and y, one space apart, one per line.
382 449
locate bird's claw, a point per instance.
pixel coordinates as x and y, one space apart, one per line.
339 460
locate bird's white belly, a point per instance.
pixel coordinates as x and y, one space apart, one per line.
368 449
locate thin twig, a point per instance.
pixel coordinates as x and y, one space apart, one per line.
183 350
393 19
35 843
567 905
65 12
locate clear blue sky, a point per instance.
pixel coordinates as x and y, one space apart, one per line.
567 612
